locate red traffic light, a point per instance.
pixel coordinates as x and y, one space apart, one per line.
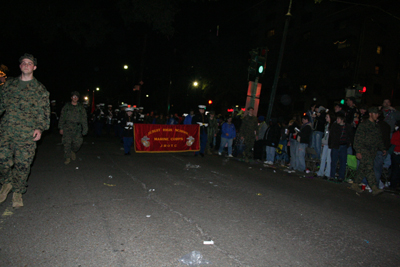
209 102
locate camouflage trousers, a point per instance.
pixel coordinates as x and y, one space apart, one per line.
15 163
249 145
72 141
210 140
366 169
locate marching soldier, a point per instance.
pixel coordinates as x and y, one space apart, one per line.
127 134
73 124
201 119
25 104
109 120
98 120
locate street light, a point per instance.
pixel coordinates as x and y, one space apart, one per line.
125 67
195 84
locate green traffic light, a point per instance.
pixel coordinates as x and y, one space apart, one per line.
342 101
261 69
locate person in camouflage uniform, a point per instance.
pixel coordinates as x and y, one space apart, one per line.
212 130
367 141
72 125
25 104
249 132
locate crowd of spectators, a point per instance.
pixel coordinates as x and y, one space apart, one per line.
327 136
330 135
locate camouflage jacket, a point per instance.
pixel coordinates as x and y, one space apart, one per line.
73 117
24 110
368 138
212 126
249 127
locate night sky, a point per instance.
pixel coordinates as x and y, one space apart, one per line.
81 45
167 44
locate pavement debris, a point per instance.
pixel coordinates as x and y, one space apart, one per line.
208 242
193 258
188 166
110 184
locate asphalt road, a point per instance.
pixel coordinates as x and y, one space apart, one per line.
107 209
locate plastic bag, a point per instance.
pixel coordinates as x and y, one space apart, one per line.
194 258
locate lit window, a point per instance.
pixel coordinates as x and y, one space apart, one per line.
379 49
271 33
377 70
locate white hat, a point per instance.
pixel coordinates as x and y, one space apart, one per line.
140 107
116 109
110 106
53 101
129 109
102 104
202 106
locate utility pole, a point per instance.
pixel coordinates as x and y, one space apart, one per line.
142 63
278 66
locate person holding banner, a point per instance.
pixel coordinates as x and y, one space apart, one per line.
127 133
202 120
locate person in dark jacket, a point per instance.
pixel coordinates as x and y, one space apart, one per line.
303 139
382 162
341 137
295 123
202 120
271 137
395 141
318 133
127 133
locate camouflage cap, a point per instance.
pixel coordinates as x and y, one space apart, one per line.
75 93
30 57
373 110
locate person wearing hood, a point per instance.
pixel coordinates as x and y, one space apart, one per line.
319 127
271 137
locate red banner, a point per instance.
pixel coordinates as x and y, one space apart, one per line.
159 138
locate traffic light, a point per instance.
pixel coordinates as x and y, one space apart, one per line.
258 61
261 60
253 62
342 102
209 102
362 90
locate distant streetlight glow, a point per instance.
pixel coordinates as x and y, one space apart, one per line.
147 95
125 67
97 89
86 98
195 84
